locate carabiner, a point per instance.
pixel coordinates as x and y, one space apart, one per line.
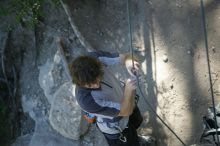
122 138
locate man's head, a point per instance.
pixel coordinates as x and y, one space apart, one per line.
86 72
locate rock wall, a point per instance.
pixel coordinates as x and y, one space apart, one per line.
65 114
46 91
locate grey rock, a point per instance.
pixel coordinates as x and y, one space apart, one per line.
52 76
23 140
46 80
45 136
3 40
165 58
28 105
94 137
65 114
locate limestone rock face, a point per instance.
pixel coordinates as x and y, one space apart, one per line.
65 114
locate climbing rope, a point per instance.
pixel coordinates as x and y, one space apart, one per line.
132 53
129 30
209 70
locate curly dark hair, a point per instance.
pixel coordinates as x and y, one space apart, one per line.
85 70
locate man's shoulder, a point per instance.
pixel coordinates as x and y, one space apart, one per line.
82 94
82 91
86 100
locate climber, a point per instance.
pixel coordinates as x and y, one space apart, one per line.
101 94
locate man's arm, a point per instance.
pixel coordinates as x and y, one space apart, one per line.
128 102
116 58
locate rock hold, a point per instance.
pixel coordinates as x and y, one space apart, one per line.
165 58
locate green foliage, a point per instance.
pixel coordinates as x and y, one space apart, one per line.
27 12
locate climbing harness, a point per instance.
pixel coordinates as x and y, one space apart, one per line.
209 70
132 53
120 134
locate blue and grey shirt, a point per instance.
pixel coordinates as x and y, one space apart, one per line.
105 103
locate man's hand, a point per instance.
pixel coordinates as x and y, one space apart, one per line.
131 66
130 85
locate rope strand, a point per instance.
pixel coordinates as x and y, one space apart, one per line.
209 70
132 53
130 34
